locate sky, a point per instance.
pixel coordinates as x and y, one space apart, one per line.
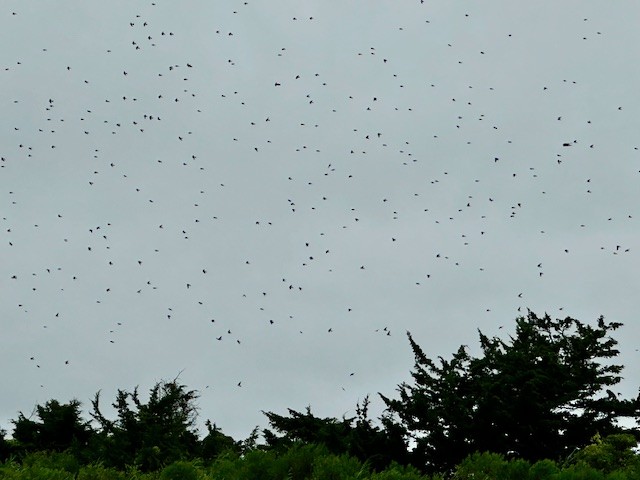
261 198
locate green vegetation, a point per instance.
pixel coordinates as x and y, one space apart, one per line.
314 462
540 395
535 407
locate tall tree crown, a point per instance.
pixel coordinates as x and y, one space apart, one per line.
539 394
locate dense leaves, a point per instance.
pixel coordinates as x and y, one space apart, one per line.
353 436
216 443
539 395
313 462
58 427
150 434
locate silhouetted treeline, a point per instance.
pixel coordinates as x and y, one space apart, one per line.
542 395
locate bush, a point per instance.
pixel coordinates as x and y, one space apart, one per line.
134 473
618 475
480 466
399 472
543 470
179 471
332 467
300 459
37 472
225 466
52 460
99 472
579 472
610 453
516 469
259 465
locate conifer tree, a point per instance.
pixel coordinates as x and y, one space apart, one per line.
540 394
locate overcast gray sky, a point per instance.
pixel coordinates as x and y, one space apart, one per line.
273 192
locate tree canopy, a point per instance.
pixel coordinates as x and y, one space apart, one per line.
356 436
540 394
153 433
59 426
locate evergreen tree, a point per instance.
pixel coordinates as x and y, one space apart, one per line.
149 435
541 394
216 442
58 427
356 436
5 446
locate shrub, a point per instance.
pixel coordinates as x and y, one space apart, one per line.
134 473
179 471
99 472
260 465
618 475
480 466
225 466
516 469
610 453
333 467
579 472
52 460
37 472
543 470
399 472
300 459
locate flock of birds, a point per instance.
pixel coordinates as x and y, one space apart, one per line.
271 195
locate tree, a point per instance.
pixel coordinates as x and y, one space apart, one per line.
216 442
306 428
5 446
58 427
355 436
149 435
538 395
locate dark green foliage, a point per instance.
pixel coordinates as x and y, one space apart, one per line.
36 473
216 443
299 461
352 436
492 465
480 466
99 472
5 446
613 452
579 472
179 471
149 435
257 464
399 472
539 395
302 462
58 427
543 469
52 460
337 467
295 463
307 428
315 462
